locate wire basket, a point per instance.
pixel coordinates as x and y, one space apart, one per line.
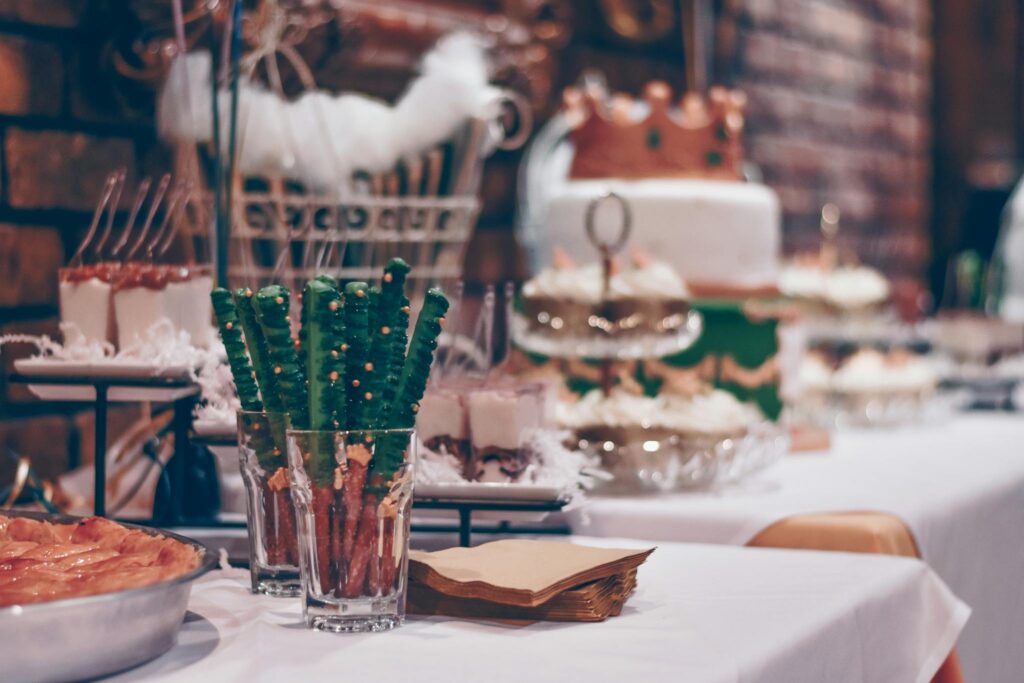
421 207
424 212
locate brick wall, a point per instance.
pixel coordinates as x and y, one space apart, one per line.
839 109
60 134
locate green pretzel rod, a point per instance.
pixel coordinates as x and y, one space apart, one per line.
416 370
272 304
388 335
330 282
321 304
268 444
301 347
371 371
411 385
231 334
373 303
340 395
258 350
355 350
400 334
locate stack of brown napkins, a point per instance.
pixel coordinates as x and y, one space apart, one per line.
521 580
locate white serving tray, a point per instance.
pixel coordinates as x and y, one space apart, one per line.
106 369
111 370
488 492
214 428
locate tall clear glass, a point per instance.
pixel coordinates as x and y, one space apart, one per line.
353 498
270 510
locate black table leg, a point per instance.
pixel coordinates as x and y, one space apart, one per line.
465 526
100 452
182 455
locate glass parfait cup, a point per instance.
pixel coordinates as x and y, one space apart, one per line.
270 509
501 417
353 498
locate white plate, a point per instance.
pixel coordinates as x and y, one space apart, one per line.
210 428
105 370
87 394
110 369
480 491
47 367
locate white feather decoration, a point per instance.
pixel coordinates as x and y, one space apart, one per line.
183 109
320 138
265 144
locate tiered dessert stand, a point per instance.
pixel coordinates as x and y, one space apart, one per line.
607 333
649 459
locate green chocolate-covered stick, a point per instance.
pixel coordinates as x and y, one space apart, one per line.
355 349
388 337
373 304
234 346
321 304
300 344
300 349
400 332
372 380
258 352
416 370
340 396
272 304
269 444
412 384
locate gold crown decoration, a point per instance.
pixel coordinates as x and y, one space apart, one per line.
699 138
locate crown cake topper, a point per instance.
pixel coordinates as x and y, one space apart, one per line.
700 138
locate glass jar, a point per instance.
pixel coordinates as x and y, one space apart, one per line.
353 498
270 509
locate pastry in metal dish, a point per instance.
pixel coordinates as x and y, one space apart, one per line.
40 561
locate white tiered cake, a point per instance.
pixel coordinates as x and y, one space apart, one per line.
678 168
716 233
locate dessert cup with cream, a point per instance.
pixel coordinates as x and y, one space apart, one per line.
661 443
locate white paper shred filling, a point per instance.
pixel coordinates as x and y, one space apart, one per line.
161 347
217 390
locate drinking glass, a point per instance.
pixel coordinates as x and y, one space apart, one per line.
353 497
270 509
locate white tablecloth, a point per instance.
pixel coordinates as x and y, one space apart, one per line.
958 486
701 614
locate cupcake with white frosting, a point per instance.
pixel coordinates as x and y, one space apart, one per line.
843 289
646 296
643 278
869 372
898 372
623 416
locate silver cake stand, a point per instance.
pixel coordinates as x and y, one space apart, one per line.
650 460
546 334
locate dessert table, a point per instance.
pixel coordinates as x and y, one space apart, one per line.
700 614
951 493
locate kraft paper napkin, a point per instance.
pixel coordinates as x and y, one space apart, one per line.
595 601
518 572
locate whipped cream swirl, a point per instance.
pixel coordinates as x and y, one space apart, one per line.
869 371
847 287
656 280
714 412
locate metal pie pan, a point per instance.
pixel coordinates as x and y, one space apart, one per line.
95 635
